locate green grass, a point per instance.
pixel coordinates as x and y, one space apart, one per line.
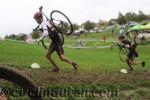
92 60
22 55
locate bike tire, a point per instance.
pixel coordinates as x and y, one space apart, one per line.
44 44
55 26
21 80
123 54
139 40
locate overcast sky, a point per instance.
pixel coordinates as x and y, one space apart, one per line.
16 16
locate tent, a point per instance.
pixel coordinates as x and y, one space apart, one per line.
139 27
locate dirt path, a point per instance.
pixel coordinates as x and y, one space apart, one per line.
43 77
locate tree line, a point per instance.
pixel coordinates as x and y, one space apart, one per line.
89 25
132 16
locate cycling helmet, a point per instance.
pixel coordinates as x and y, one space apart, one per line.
38 15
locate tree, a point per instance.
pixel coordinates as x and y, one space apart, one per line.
131 16
11 36
101 24
148 17
134 16
88 25
128 16
24 37
112 22
75 26
63 27
141 16
21 37
35 34
121 19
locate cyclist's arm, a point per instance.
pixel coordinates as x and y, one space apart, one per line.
44 34
50 25
44 31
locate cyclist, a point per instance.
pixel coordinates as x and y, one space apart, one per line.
132 52
56 45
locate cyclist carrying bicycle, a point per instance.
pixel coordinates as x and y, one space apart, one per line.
132 54
56 45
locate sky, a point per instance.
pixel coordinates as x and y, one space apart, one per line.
16 16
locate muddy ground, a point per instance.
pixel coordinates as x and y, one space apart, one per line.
44 76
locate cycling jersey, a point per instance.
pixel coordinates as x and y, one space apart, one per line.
132 49
56 44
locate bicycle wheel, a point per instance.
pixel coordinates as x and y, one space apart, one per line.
142 38
61 22
46 41
123 54
23 81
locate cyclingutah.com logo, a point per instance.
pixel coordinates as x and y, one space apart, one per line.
63 92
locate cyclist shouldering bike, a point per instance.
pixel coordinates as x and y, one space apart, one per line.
132 54
48 29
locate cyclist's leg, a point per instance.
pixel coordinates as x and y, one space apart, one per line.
61 55
131 60
48 56
129 64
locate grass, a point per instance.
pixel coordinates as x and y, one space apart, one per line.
91 60
23 55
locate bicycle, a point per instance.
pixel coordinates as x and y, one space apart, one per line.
139 34
123 52
62 25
